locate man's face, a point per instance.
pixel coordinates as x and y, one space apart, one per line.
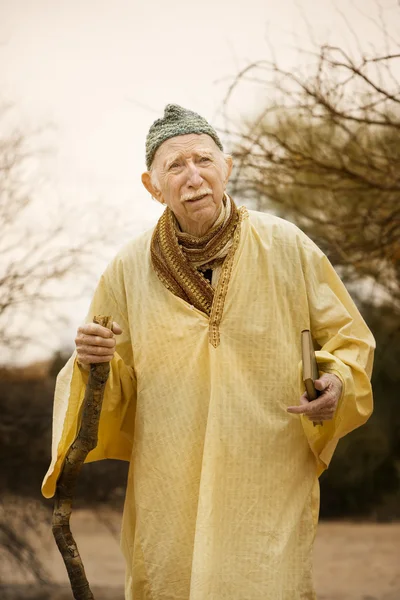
191 174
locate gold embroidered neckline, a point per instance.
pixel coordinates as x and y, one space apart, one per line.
175 270
217 307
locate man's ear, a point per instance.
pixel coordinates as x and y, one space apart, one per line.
229 165
153 191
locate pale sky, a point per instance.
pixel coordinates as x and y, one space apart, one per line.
100 72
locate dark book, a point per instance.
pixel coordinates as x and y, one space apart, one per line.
310 367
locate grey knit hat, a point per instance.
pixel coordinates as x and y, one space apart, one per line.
176 121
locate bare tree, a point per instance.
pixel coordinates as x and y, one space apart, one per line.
42 246
325 152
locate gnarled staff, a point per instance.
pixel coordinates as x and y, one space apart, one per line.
85 441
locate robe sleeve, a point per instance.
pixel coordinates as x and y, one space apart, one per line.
118 410
346 349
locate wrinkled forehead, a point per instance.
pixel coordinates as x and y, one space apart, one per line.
185 145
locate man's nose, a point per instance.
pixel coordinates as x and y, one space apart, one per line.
194 178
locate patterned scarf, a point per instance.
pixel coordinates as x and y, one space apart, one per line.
179 258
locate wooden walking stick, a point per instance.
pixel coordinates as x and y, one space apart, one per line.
85 441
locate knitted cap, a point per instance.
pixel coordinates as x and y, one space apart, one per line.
176 121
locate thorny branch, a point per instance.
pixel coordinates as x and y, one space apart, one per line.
325 151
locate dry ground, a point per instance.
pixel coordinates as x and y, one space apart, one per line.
352 561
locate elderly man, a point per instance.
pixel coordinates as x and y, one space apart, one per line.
222 496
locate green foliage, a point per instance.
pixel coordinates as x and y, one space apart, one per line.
26 406
364 476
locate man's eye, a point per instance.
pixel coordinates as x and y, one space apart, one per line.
204 159
174 165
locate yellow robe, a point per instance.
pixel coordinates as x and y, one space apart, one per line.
222 497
